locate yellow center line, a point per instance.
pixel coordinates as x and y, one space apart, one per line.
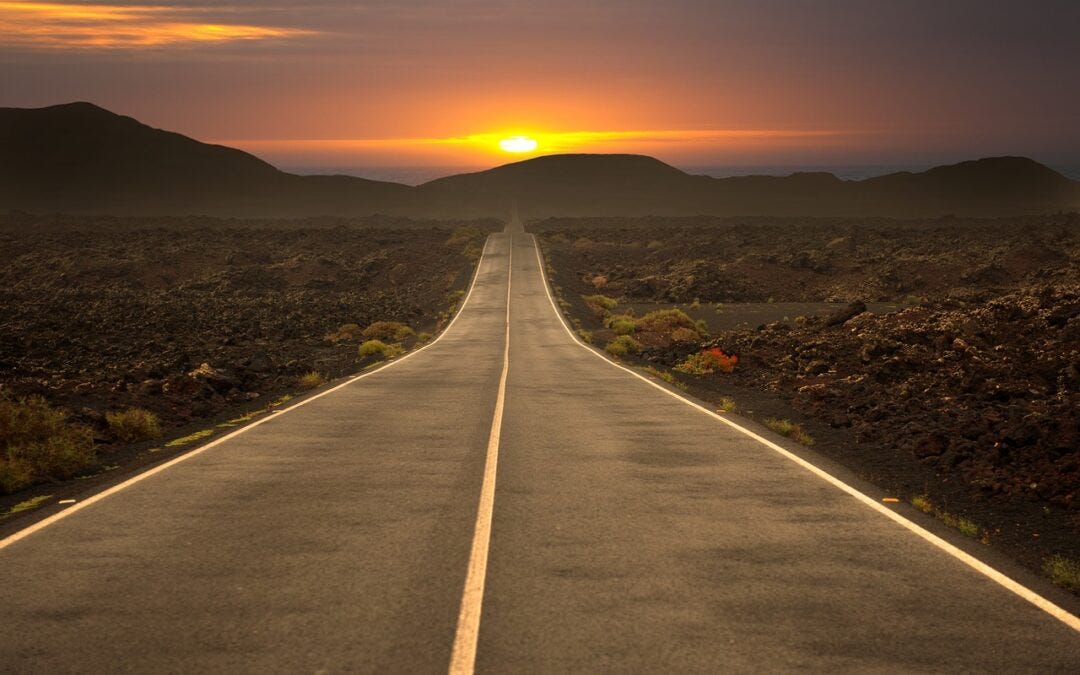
463 656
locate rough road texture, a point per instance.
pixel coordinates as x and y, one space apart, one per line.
630 533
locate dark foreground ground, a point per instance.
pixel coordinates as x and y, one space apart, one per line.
200 320
939 359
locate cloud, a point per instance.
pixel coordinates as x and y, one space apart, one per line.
63 26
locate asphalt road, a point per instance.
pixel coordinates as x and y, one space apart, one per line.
629 532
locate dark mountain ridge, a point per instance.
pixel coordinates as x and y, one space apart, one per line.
80 158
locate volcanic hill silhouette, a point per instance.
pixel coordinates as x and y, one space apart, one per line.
79 158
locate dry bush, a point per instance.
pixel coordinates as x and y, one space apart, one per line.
346 331
667 321
386 330
311 380
37 444
133 424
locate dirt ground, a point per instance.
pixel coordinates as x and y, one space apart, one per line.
937 359
196 320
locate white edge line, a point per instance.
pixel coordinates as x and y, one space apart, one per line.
1019 589
463 654
45 522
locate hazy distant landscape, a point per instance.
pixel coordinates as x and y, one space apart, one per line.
111 164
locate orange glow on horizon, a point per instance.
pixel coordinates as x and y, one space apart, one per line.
52 25
486 148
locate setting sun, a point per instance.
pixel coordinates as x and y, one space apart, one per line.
518 144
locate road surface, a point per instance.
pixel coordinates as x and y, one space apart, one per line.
506 504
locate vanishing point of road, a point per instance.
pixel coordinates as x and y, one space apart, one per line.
504 500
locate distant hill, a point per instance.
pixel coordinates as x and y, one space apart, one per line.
83 159
79 158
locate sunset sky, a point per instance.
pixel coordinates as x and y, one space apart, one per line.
692 82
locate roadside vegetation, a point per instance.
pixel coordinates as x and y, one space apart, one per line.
790 429
39 444
1064 572
311 380
622 346
133 424
965 526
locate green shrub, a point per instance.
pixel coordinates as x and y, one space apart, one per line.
666 321
386 330
379 349
37 444
133 424
586 336
424 337
622 324
311 380
623 345
601 301
726 404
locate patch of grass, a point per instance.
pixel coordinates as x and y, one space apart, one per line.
789 429
585 335
190 438
133 424
379 349
965 526
283 399
666 376
1064 572
311 380
622 345
31 503
37 444
726 404
923 503
660 374
424 337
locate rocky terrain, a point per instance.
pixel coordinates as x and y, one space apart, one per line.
966 397
196 319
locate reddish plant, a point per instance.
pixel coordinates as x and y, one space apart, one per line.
708 361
